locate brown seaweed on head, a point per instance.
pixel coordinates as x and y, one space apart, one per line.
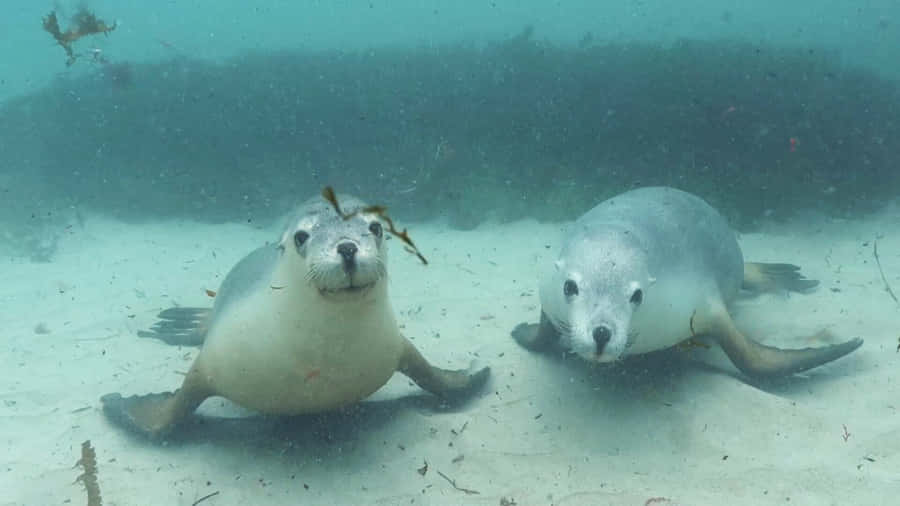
329 195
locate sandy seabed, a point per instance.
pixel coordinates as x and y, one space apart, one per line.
674 427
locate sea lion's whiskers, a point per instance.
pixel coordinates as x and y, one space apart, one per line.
314 274
380 268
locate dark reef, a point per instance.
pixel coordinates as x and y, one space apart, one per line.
518 128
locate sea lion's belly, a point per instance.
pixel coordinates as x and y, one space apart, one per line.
302 359
664 319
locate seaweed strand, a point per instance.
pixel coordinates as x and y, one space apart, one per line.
88 462
329 195
83 23
887 287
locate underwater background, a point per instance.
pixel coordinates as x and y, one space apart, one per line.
464 111
140 162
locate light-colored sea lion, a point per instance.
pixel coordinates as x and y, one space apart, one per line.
653 267
304 325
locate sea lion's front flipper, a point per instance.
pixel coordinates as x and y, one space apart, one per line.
155 415
761 277
449 384
758 360
182 326
536 336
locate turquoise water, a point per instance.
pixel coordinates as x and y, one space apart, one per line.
865 33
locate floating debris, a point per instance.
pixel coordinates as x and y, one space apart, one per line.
84 23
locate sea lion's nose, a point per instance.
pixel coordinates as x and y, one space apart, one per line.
347 250
602 335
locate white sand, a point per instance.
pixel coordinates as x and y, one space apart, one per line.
676 425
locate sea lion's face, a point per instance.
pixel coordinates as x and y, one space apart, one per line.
342 257
590 295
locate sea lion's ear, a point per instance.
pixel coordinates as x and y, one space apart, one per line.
651 281
559 264
285 236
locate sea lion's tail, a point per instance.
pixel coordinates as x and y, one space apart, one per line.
762 277
183 326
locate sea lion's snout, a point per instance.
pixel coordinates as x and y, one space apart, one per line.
347 250
601 335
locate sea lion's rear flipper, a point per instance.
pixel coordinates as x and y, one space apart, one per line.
155 415
758 360
762 277
536 336
452 385
183 326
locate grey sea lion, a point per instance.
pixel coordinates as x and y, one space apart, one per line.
304 325
655 266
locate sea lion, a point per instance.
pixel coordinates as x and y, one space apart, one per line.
655 266
300 326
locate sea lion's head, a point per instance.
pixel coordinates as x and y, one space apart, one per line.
592 291
341 257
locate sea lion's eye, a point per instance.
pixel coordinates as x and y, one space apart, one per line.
637 297
570 288
375 228
300 237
